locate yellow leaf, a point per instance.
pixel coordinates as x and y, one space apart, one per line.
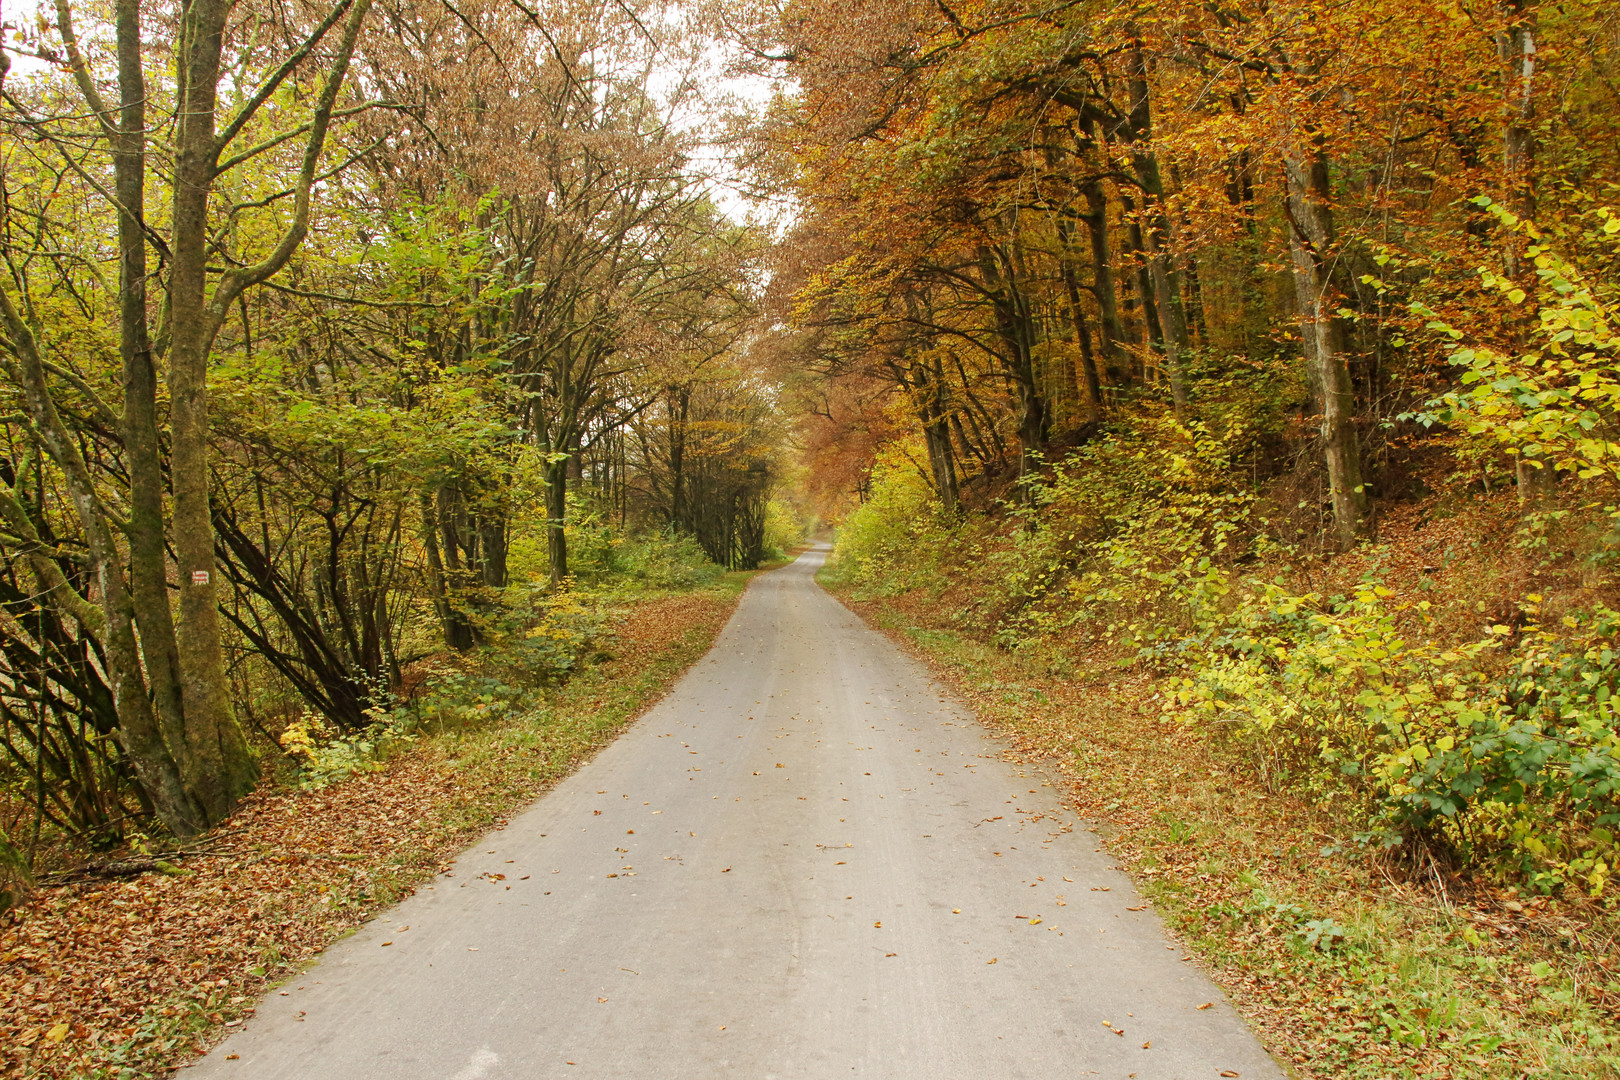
57 1033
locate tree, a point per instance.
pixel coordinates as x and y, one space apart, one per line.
175 719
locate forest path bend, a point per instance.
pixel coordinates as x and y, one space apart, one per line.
807 861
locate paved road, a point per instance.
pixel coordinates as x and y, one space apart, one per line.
807 861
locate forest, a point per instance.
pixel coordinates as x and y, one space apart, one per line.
1235 381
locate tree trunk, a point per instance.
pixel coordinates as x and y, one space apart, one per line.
492 547
680 405
1141 280
1102 283
214 758
556 474
1172 319
457 630
1311 240
1516 45
1077 318
1162 274
1015 327
928 390
148 559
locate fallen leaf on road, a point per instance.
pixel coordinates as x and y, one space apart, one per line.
1207 1005
991 960
600 1000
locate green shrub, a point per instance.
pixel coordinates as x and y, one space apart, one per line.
15 880
784 530
1558 401
544 634
667 560
1121 539
326 755
539 639
1504 753
890 541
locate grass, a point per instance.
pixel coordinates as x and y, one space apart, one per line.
1346 967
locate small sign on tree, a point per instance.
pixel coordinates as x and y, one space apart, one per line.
199 577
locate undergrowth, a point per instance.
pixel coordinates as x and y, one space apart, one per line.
536 639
